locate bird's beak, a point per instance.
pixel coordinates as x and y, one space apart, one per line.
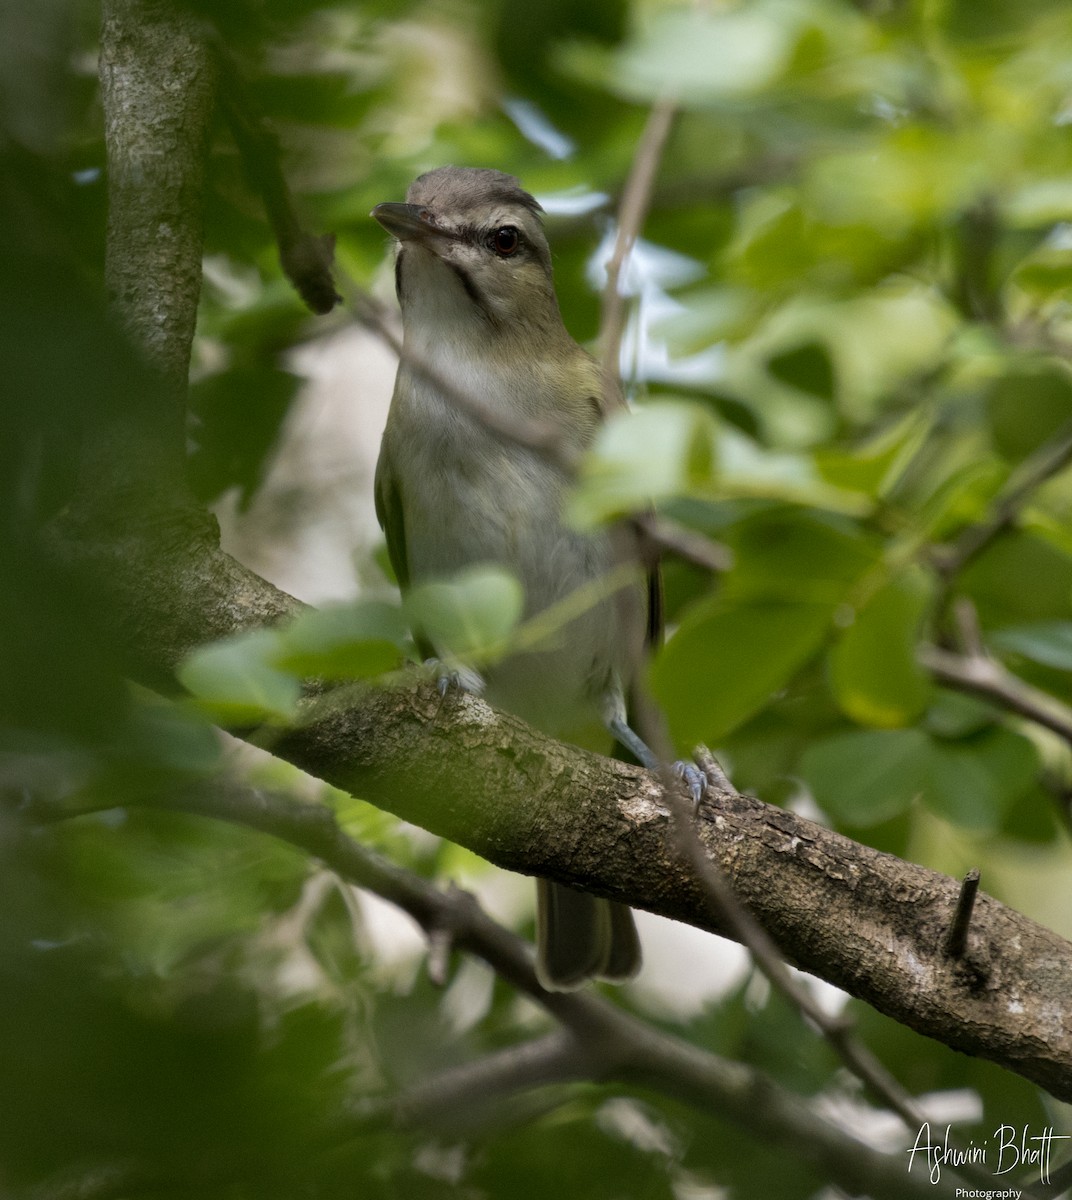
410 223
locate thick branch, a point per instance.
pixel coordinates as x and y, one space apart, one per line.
156 140
603 1039
597 1039
865 921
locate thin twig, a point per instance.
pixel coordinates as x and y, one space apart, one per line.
542 437
838 1031
466 1094
1048 460
617 1045
636 198
981 675
307 258
687 544
742 925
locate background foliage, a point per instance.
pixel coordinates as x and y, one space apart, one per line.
850 341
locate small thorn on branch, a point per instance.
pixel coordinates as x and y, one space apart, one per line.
956 939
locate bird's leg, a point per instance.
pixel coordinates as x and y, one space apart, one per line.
617 723
463 678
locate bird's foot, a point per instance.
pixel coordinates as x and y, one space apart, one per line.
695 780
465 679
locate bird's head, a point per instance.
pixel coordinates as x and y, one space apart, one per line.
472 255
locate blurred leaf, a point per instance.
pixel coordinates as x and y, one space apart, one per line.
471 615
874 671
343 641
973 783
954 715
708 54
995 581
795 554
864 777
731 653
169 736
727 659
872 466
808 367
658 450
237 682
1027 406
1045 642
241 411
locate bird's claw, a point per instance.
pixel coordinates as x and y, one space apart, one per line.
695 780
465 679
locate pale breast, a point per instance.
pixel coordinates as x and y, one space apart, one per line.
471 496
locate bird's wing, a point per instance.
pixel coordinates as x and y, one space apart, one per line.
391 516
654 632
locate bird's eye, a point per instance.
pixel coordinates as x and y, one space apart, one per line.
505 240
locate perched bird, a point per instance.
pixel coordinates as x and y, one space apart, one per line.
485 357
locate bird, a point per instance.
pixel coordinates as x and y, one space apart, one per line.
486 359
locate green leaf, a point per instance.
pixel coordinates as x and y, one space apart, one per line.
1028 406
954 715
874 673
727 659
1045 642
240 411
808 367
973 783
871 467
344 641
797 555
469 616
793 568
653 452
1019 579
707 55
866 777
166 735
237 682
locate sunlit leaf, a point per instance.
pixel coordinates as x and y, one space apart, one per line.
343 641
707 54
237 682
469 616
649 453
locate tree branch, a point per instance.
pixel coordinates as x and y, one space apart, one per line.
635 200
983 676
306 258
156 135
603 1040
1048 460
865 921
598 1040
